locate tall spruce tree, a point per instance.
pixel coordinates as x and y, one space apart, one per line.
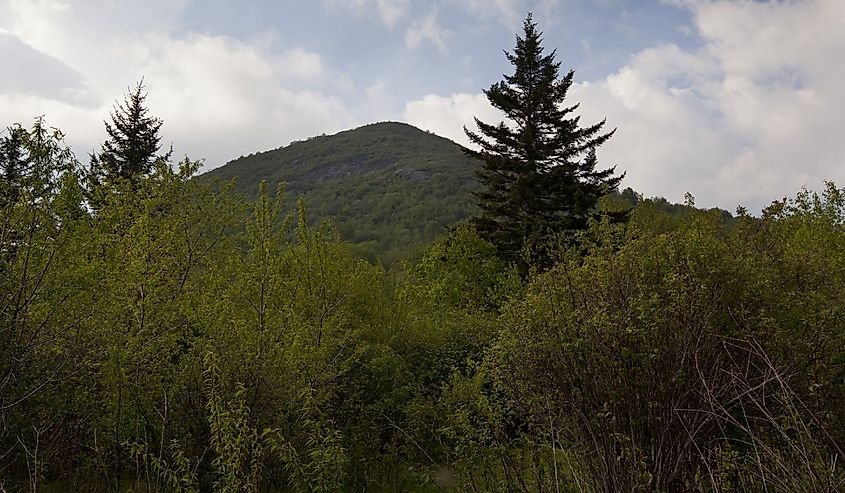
133 140
539 175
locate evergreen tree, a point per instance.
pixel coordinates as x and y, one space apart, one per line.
539 172
133 140
13 164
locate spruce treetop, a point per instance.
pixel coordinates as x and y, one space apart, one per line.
539 176
133 139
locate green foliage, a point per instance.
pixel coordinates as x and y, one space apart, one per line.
40 311
235 442
179 475
462 270
635 352
175 338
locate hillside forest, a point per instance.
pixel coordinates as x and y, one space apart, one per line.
167 332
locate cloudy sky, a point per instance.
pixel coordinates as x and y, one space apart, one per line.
737 102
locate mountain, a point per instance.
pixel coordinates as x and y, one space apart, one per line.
387 187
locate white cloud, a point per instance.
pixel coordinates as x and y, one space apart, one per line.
510 13
221 97
41 75
303 64
753 114
768 81
427 29
446 116
505 10
379 103
75 31
218 96
82 125
388 11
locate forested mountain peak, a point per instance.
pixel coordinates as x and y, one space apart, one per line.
357 151
387 186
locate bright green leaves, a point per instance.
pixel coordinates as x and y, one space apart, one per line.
462 270
176 339
41 308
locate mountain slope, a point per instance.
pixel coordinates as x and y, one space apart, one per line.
388 187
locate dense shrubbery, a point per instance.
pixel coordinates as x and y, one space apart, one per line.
653 357
162 343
